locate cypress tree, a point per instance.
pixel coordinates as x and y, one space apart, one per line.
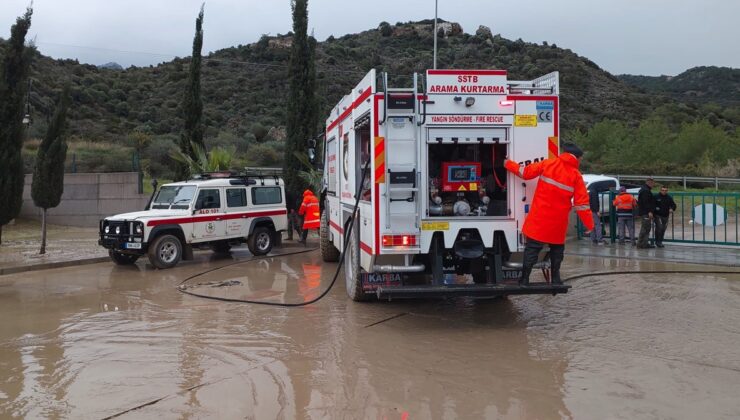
192 103
301 106
14 73
48 175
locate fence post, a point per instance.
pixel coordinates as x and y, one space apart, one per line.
612 217
74 163
136 164
716 183
684 182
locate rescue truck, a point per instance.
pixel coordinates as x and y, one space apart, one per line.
438 214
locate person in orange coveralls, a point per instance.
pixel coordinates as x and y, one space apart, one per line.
559 188
310 211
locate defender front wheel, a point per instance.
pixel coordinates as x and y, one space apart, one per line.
165 251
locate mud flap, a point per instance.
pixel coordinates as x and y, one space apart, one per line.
187 252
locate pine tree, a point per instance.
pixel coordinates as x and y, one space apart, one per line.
301 107
14 73
48 175
192 103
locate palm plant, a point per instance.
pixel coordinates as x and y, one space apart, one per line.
218 159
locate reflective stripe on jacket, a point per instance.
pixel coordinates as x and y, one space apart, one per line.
560 182
310 211
625 203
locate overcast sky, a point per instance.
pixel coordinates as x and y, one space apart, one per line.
626 36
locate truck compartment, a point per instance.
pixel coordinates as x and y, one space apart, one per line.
467 180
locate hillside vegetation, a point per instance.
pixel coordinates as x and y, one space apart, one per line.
115 112
719 85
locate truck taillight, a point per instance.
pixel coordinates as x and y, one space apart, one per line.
399 240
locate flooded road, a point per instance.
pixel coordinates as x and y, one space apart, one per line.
98 340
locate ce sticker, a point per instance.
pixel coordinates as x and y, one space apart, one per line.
544 116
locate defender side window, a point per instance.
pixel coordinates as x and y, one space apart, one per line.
208 199
266 195
236 197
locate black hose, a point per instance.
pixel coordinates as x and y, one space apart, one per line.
351 223
613 273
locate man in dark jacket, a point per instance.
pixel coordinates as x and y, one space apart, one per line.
292 202
594 202
664 206
646 205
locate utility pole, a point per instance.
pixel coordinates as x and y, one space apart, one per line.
436 2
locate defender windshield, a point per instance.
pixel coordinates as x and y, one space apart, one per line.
174 196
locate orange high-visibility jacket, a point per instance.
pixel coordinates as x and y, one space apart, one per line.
625 201
560 182
310 210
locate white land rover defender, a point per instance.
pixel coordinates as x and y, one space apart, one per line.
213 210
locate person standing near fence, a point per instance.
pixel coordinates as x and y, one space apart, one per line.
594 202
646 204
625 204
664 206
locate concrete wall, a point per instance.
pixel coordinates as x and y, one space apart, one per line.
89 197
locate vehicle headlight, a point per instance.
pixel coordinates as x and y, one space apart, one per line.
118 230
107 229
139 228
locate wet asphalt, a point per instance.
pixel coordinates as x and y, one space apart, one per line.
102 340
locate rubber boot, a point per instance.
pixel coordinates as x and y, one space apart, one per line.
556 260
531 253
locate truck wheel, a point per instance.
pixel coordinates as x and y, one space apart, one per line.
122 259
329 252
260 242
352 270
165 251
221 247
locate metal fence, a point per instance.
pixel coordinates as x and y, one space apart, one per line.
700 217
716 181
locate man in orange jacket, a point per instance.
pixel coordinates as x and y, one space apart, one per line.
311 214
560 184
625 204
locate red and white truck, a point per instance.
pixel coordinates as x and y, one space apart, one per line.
438 215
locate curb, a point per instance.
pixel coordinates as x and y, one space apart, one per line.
48 266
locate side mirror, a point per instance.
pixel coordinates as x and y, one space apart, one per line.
312 151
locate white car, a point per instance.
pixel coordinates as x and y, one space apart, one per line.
604 184
211 211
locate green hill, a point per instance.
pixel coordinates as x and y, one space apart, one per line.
245 87
719 85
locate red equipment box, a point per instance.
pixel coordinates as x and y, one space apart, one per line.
460 176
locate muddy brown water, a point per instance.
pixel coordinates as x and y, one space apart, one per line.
95 341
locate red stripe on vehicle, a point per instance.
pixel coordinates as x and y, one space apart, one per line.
472 72
376 199
365 94
336 226
366 248
214 217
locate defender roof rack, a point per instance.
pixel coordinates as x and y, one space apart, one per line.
263 172
214 175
